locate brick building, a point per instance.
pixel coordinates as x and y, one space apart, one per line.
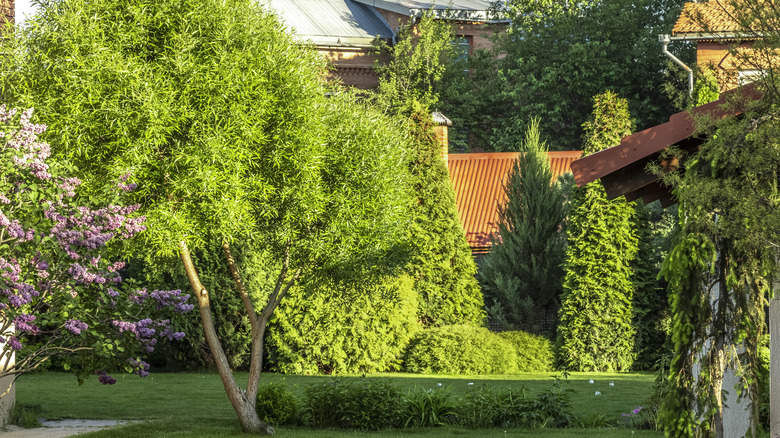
719 41
343 30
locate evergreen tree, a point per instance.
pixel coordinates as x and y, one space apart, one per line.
596 332
523 272
441 264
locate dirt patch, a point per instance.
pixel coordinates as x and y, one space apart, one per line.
59 429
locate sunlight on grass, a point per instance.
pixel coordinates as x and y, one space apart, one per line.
195 404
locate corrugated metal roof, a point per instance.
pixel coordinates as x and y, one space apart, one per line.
709 17
332 22
470 10
478 181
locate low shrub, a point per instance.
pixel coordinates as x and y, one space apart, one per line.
460 349
484 408
534 352
429 408
365 404
276 405
328 328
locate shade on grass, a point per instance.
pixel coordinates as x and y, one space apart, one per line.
195 405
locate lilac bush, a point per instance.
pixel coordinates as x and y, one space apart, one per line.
60 294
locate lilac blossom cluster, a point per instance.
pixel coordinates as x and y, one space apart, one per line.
54 278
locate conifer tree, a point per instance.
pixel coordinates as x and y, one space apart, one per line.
441 263
595 331
523 272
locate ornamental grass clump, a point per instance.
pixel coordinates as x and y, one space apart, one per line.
460 349
431 407
61 294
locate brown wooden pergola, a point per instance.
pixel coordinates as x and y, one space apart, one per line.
623 170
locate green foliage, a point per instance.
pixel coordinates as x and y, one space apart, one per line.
728 230
441 264
483 407
344 328
559 55
706 88
277 405
655 227
460 349
368 404
417 63
534 352
523 273
25 416
429 408
596 332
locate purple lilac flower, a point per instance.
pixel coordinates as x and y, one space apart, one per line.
140 367
14 343
75 326
23 322
105 378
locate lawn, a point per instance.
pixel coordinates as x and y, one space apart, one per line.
195 404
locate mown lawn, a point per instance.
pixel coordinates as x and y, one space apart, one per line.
195 404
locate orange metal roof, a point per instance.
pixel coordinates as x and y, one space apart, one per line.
710 17
478 180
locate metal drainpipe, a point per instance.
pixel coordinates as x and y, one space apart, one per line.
665 40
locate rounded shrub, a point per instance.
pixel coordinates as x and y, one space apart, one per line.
332 328
460 349
277 405
364 404
534 352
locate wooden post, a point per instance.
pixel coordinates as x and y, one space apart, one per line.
774 368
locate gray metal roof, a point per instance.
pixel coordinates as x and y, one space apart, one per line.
332 22
469 10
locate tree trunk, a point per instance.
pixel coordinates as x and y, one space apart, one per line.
244 407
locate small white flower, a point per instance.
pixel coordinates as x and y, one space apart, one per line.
590 381
598 392
438 384
471 383
611 383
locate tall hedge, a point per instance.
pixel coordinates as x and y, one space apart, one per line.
331 327
442 266
523 274
596 332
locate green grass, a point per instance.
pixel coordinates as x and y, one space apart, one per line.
195 404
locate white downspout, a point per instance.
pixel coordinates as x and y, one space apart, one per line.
665 40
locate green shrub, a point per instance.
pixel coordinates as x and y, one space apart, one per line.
276 405
25 416
460 349
365 404
483 408
429 408
534 353
343 329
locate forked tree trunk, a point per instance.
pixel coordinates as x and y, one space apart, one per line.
243 402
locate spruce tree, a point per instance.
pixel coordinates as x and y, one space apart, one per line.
523 273
595 331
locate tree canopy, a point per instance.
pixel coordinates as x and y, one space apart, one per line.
222 118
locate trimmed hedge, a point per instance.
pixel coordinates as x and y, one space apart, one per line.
460 349
327 328
534 352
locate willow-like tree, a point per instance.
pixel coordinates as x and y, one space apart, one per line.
595 332
523 273
221 117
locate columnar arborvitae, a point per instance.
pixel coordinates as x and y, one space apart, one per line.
441 265
595 332
523 273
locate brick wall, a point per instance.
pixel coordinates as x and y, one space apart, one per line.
7 9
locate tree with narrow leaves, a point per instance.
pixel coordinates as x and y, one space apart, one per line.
595 331
222 117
